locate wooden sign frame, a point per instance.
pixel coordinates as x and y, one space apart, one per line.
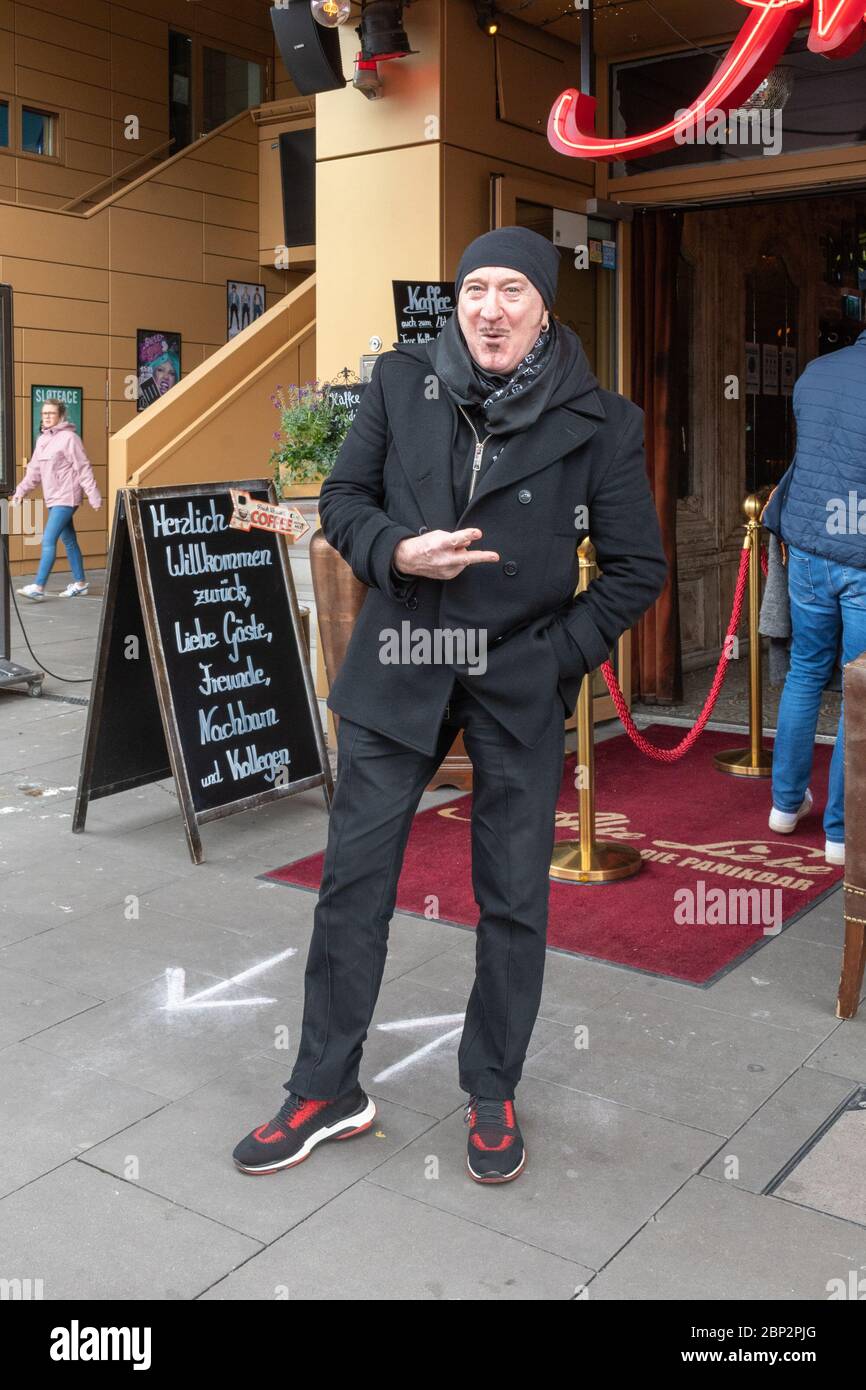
127 530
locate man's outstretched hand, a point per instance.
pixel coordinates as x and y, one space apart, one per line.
441 554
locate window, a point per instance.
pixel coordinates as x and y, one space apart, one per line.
208 86
230 85
821 104
4 124
180 90
38 131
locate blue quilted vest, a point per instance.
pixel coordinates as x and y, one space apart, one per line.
825 509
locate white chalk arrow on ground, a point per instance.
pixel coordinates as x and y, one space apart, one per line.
404 1024
177 998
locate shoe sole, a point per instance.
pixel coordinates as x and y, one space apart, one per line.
34 598
789 829
343 1129
498 1178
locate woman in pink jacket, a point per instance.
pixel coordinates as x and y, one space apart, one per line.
62 467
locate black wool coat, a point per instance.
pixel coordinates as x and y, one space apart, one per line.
534 639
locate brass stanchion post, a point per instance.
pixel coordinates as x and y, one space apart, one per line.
588 860
753 761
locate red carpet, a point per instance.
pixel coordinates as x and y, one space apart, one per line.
697 829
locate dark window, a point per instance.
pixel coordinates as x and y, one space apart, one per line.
179 90
231 85
4 123
821 103
38 131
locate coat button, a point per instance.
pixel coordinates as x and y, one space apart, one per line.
509 567
524 495
412 602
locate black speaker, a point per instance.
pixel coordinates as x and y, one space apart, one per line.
298 172
310 53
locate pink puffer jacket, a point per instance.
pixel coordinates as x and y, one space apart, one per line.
62 467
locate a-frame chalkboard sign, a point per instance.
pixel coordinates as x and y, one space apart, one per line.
202 671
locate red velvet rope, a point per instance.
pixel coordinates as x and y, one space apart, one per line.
670 755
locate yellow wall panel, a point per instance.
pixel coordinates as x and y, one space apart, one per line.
46 311
30 234
138 68
64 281
229 212
94 12
144 28
93 159
7 15
83 125
145 245
152 115
49 177
226 241
211 178
54 28
59 349
7 65
403 186
166 200
61 92
231 154
196 311
54 58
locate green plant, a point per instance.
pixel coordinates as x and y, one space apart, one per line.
313 425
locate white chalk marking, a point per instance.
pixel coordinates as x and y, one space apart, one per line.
434 1021
176 997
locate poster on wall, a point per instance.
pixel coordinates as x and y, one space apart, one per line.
157 360
788 374
245 302
770 363
422 309
70 396
753 369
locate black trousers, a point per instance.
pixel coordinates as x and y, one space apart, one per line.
379 785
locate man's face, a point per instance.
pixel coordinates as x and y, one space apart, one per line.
500 313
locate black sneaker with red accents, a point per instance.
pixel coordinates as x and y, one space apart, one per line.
495 1148
299 1125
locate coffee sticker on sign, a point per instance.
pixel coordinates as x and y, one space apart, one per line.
249 514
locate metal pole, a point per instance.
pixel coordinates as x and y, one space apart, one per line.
588 860
753 761
587 50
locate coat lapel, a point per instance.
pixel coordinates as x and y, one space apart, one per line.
423 439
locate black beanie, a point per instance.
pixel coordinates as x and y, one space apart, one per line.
519 249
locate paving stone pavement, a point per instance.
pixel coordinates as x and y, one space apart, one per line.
650 1153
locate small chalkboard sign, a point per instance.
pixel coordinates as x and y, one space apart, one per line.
348 395
202 671
422 309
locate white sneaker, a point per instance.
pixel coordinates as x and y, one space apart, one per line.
30 591
784 822
74 590
834 852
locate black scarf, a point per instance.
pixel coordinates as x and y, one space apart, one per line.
509 402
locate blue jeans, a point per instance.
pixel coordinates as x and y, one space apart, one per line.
59 527
826 598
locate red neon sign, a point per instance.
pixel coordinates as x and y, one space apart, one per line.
838 30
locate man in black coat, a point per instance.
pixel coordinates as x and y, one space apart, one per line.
475 466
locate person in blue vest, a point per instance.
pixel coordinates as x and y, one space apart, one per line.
824 527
